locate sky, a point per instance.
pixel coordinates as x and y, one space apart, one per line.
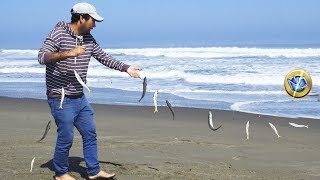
167 23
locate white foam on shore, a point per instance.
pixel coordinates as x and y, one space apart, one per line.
218 52
192 52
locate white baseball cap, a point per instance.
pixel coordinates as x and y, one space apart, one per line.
86 8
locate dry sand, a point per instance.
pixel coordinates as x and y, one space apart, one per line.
135 144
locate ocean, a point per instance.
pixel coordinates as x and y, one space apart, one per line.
246 79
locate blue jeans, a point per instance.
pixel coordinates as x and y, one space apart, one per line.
79 113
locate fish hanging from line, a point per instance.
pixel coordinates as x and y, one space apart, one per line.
144 88
80 43
142 74
298 125
46 131
62 98
155 101
275 129
81 81
210 123
247 129
32 161
171 109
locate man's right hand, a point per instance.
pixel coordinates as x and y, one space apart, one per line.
77 51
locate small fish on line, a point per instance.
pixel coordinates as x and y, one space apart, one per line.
46 131
80 43
81 81
171 109
62 98
32 161
142 74
298 125
210 123
247 129
155 101
144 88
275 129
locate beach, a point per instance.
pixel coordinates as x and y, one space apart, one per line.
136 144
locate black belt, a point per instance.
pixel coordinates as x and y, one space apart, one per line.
74 96
54 95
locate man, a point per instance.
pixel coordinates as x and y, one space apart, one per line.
66 53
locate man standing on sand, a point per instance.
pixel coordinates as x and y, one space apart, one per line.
66 52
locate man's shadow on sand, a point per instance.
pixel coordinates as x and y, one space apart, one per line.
74 166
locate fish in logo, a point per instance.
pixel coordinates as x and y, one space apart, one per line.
298 83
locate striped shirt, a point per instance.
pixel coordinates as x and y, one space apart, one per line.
61 73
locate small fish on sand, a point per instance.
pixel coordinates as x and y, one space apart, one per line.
32 161
81 81
247 129
275 129
62 98
298 125
46 131
210 123
144 88
155 101
171 109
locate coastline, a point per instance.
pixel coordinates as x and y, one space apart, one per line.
253 84
136 144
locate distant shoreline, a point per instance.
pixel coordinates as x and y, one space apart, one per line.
163 106
191 45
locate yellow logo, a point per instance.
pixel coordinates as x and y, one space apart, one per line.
298 83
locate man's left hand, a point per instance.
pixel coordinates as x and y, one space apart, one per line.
133 71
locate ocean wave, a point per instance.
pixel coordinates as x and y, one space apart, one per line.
103 72
232 92
19 54
171 76
185 52
25 70
267 107
219 52
22 80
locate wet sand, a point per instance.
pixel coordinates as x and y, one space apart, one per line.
136 144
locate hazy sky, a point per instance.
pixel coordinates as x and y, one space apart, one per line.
133 23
